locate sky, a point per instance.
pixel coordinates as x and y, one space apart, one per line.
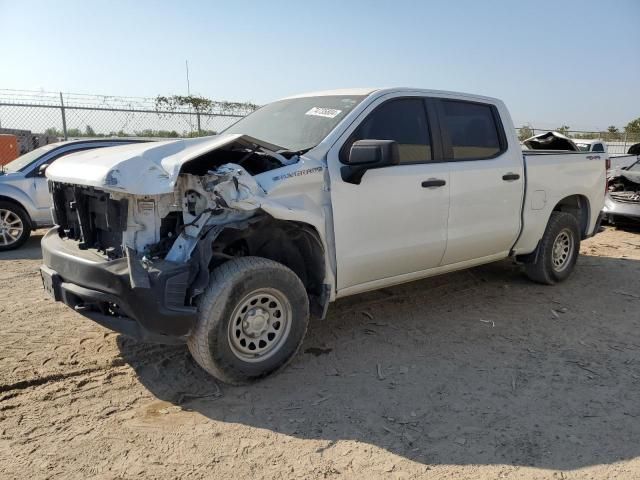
554 63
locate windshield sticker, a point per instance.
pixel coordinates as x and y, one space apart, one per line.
324 112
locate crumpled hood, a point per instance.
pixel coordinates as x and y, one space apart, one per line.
550 141
142 168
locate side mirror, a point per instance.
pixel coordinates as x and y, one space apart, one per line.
367 154
42 169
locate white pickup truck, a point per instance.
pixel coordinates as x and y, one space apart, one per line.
617 161
229 243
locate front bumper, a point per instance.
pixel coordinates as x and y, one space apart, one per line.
616 211
152 311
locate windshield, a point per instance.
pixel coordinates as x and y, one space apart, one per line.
299 123
27 159
634 167
583 147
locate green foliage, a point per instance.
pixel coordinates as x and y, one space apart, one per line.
53 132
564 130
526 131
194 103
89 132
612 134
633 127
157 133
201 133
74 132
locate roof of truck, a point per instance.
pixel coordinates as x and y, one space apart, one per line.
381 91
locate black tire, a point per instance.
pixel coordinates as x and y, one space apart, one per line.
13 210
548 268
231 286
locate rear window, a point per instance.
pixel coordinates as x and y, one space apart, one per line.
472 130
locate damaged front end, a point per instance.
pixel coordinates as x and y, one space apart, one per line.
622 202
135 257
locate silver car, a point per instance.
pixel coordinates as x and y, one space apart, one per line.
25 203
622 203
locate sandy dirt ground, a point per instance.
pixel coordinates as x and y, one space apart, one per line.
478 374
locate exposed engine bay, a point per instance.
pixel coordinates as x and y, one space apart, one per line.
622 202
216 210
215 188
625 187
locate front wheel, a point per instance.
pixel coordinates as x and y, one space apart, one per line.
559 249
251 320
15 226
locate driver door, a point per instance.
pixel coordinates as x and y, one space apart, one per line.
394 223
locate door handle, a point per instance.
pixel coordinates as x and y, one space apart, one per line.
510 177
433 182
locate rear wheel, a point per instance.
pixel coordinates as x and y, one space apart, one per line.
15 226
559 249
251 320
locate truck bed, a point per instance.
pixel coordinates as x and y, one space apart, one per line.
552 176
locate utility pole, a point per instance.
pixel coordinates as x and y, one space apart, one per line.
64 117
186 67
186 64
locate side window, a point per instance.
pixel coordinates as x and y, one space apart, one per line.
472 130
75 150
403 120
598 147
35 171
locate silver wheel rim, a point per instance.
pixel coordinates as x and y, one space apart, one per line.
11 227
259 325
562 250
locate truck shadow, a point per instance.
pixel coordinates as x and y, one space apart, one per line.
29 251
475 367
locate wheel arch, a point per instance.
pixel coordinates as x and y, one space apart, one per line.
297 245
578 206
5 198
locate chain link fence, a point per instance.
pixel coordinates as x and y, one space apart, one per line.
39 118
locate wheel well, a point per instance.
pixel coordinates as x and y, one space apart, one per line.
578 206
294 244
18 204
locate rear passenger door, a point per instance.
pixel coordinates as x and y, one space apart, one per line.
486 181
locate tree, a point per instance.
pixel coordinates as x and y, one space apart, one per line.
53 132
201 105
89 132
564 130
612 133
525 131
632 130
156 133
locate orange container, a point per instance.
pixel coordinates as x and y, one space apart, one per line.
8 148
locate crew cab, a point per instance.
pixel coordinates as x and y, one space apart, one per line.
229 243
590 145
25 202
